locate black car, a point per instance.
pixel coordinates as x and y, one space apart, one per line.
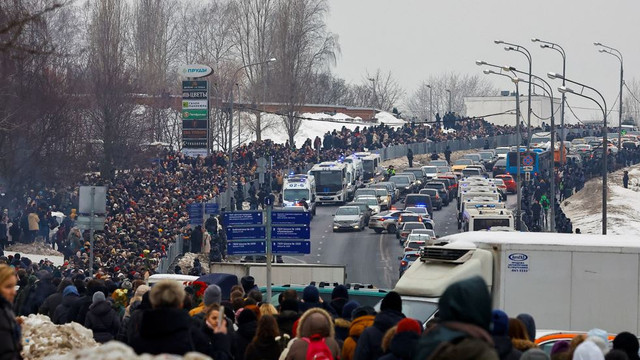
442 190
500 167
436 200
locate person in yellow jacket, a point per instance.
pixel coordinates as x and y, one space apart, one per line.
212 295
362 318
34 225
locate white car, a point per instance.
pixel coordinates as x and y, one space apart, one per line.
372 201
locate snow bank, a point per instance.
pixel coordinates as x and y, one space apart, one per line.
115 350
33 248
585 207
386 118
186 262
40 337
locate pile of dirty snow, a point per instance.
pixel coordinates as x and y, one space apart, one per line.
186 262
585 207
40 337
37 248
114 350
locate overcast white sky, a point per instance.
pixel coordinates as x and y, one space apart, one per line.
418 38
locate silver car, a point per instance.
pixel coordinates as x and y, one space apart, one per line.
386 220
348 218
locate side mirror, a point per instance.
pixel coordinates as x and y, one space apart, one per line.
399 257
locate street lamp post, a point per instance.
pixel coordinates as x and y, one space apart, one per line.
614 52
521 49
565 89
375 97
449 91
553 46
430 102
230 150
515 80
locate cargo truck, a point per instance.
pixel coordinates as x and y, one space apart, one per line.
565 281
284 273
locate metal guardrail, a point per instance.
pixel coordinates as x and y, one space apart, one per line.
173 251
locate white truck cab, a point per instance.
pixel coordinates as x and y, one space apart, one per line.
485 217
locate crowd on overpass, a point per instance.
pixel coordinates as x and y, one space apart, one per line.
237 323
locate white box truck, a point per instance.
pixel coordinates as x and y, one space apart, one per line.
565 281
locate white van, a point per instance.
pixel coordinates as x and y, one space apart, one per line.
155 278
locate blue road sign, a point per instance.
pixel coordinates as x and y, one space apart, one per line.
211 208
290 232
246 247
243 218
299 247
290 217
246 233
195 214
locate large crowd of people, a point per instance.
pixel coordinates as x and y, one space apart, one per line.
176 318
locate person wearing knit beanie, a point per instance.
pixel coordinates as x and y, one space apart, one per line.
339 297
310 294
534 354
408 324
97 297
560 347
391 301
212 295
348 308
500 333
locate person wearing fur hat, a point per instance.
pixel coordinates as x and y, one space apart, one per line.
361 318
403 343
501 339
390 314
102 319
313 322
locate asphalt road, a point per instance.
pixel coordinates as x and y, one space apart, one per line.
370 258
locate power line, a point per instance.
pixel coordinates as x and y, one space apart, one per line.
631 92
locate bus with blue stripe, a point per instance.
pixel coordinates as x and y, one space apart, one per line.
537 160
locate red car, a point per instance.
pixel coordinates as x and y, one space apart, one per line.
512 187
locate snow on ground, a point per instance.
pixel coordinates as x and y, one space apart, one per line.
319 126
114 350
40 337
585 207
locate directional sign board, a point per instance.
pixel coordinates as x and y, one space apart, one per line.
300 247
211 208
290 218
195 213
242 218
195 117
246 233
246 247
290 232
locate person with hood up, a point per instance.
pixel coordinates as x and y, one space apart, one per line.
501 339
368 347
403 343
519 335
167 328
339 297
247 326
313 322
102 319
64 312
529 324
50 304
288 316
361 318
588 350
248 283
343 323
465 318
627 342
42 289
264 345
311 299
534 354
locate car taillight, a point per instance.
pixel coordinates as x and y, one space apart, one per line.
381 219
407 249
437 196
403 263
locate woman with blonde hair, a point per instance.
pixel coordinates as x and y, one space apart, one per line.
268 309
10 346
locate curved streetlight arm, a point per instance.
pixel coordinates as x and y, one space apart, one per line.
551 45
618 55
604 111
512 69
558 76
518 48
608 48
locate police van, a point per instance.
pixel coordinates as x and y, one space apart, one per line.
299 187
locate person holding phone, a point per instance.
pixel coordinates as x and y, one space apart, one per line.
215 329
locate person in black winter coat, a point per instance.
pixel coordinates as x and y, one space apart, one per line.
196 240
102 319
404 342
287 316
368 347
311 299
10 345
50 304
135 321
64 313
502 341
264 345
42 289
247 327
83 304
339 297
217 335
167 328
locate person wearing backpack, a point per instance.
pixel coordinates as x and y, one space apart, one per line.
368 347
314 337
463 329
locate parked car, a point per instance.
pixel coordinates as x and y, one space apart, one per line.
348 218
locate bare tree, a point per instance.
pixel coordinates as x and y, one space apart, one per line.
114 120
302 46
460 86
631 103
386 91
